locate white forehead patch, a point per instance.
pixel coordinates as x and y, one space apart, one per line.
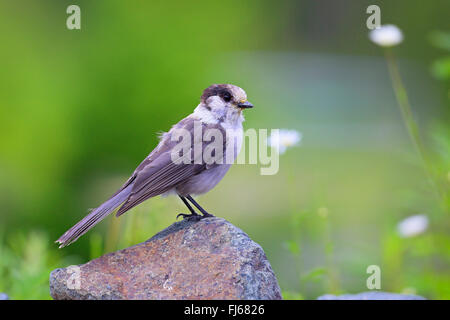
238 93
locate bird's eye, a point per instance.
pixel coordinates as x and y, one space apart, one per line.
226 97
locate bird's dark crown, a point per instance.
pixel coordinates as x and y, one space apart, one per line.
220 90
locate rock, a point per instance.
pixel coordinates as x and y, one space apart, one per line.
208 259
372 295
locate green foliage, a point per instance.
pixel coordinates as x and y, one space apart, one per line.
25 265
288 295
441 68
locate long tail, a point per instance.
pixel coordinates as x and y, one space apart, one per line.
93 218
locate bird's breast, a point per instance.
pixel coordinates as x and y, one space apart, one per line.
203 182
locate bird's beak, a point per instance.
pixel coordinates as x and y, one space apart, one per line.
245 105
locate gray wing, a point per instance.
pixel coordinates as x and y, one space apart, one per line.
158 177
158 174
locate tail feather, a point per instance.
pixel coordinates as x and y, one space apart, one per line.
94 217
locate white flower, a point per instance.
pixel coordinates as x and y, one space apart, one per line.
283 139
413 225
386 36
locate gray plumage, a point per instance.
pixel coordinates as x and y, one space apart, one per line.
158 174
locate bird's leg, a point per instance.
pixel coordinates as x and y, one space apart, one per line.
193 215
203 211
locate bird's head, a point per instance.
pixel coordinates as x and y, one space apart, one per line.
225 97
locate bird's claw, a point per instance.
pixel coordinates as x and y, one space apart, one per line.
191 216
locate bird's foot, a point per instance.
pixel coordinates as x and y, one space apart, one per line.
191 217
194 216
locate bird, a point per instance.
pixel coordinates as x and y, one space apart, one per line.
220 110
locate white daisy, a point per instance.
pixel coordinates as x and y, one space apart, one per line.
413 225
283 139
386 36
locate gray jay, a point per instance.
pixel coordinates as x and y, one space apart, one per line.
220 111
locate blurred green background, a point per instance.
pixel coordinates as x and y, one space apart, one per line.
79 110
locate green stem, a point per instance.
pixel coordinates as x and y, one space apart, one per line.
333 278
411 125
